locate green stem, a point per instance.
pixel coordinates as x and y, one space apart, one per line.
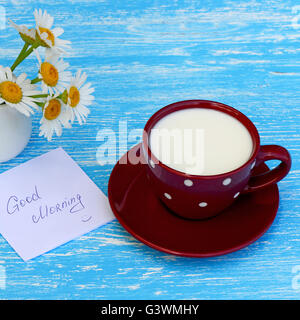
25 54
45 95
26 45
40 104
36 80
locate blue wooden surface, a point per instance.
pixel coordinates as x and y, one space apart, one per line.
140 56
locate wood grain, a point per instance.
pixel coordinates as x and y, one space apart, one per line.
140 56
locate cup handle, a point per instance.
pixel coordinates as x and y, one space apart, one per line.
269 152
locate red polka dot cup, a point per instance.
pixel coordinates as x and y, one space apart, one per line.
203 196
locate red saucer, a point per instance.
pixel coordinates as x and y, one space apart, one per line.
143 215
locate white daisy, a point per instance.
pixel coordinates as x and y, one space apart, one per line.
56 115
79 97
48 36
28 35
16 91
53 73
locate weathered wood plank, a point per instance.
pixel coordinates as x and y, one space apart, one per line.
141 56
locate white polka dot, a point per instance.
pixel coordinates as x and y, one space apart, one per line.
188 182
167 196
253 164
202 204
236 195
152 164
227 181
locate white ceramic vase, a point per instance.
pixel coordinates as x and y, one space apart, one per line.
15 132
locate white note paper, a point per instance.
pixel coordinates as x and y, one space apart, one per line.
47 202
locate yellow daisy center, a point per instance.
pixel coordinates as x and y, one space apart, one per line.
49 73
74 96
53 109
11 92
50 35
